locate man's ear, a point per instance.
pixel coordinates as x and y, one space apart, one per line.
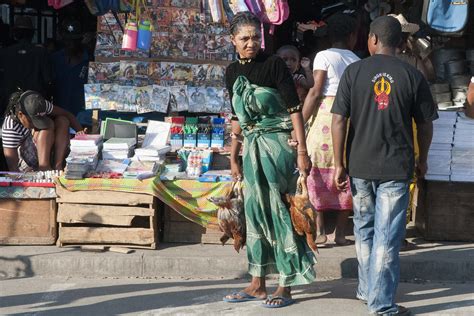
232 39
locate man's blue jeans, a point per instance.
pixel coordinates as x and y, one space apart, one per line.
379 227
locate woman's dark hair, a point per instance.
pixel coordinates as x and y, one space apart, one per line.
13 105
242 19
340 27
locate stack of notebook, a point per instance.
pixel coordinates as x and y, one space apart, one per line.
118 148
84 155
462 166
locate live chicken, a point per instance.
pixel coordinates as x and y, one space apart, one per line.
231 216
302 214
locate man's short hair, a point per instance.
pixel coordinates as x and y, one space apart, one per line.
388 30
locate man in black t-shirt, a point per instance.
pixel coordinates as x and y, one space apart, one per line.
381 95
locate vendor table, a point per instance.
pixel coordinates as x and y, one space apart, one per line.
188 215
28 216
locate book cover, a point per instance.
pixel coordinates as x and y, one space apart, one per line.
197 99
160 98
119 143
179 97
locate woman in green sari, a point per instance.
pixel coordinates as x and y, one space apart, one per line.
267 113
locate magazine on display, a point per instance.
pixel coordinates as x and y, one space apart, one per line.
197 99
178 98
160 98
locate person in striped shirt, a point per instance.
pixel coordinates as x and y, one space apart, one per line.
35 131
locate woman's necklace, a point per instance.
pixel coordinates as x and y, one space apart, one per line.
245 61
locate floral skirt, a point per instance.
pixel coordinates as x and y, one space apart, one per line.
323 193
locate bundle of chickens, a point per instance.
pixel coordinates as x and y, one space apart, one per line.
302 214
231 216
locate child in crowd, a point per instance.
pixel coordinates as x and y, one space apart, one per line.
303 79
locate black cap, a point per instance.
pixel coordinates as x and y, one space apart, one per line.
71 29
33 105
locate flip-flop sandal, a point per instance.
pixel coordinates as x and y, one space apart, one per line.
284 302
239 297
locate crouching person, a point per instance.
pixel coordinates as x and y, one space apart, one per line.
34 131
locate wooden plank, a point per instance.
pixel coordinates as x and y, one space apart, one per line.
95 122
27 222
68 209
106 235
76 245
121 250
94 219
101 197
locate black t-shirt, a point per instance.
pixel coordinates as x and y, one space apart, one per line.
381 94
265 71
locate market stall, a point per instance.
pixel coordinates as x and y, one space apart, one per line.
27 209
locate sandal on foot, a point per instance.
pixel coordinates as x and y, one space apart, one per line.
239 297
284 302
347 242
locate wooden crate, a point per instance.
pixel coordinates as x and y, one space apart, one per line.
28 222
443 210
178 229
107 218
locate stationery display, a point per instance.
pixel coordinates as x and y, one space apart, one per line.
29 179
452 148
173 32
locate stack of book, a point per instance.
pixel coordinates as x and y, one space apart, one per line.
439 156
118 148
154 146
84 155
462 166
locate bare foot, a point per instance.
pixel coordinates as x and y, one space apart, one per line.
321 239
256 288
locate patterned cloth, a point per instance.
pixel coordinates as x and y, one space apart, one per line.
268 165
323 194
27 193
187 197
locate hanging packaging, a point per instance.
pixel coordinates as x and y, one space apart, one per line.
144 35
130 37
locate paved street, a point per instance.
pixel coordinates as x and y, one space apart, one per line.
74 296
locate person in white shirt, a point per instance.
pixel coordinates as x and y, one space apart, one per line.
34 129
328 67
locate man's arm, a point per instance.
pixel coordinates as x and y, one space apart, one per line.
338 131
11 156
424 135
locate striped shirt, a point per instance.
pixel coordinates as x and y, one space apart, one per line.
14 133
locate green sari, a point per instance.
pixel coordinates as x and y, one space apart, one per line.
268 169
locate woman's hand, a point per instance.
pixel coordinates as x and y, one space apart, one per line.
82 132
304 163
236 171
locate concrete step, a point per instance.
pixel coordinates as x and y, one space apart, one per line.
429 261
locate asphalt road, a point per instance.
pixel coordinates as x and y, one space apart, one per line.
80 296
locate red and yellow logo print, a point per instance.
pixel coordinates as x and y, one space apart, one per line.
382 89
